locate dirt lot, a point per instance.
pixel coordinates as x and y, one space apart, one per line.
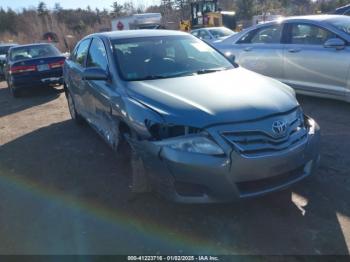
62 191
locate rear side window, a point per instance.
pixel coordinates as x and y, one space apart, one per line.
265 35
97 56
81 53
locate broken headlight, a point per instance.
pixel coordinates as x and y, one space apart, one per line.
311 124
193 144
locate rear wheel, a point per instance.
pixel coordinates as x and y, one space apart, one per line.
13 90
72 110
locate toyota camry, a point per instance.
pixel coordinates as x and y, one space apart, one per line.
198 127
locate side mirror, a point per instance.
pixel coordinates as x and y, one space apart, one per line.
231 57
336 43
95 74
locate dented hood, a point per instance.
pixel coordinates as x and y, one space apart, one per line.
223 97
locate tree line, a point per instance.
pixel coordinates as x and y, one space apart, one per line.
29 24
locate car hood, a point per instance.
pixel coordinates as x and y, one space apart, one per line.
215 98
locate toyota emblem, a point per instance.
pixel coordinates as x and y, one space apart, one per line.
279 128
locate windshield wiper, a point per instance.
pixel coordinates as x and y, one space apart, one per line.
212 70
150 77
153 77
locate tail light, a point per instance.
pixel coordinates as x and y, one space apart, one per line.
56 64
22 69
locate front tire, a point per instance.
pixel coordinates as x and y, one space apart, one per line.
138 180
72 110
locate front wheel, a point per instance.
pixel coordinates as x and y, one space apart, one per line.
137 180
72 110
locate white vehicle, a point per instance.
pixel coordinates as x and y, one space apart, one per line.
137 21
211 34
259 19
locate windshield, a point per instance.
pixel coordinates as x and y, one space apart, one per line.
37 51
221 32
342 23
165 57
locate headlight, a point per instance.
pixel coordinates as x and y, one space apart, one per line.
312 125
193 144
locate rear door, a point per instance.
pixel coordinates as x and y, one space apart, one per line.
261 50
100 92
311 67
74 78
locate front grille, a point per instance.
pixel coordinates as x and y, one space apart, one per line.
252 141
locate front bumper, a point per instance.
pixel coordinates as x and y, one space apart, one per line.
195 178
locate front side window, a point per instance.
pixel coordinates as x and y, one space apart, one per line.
82 52
204 35
164 57
97 56
32 52
341 23
265 35
304 34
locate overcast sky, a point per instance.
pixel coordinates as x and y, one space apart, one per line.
18 4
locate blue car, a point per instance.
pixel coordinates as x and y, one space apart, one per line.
33 65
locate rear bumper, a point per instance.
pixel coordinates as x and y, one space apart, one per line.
194 178
52 77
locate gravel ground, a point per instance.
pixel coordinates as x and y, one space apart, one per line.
63 191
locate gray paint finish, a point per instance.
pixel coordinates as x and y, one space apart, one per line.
235 101
312 69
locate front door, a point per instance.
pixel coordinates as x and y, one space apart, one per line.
311 67
261 51
100 93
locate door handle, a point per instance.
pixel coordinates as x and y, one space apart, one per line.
248 49
294 50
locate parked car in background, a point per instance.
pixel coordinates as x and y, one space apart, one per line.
200 128
4 48
33 65
211 34
309 53
344 10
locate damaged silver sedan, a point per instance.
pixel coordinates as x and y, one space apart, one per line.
199 128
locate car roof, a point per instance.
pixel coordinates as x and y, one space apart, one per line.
139 33
30 45
209 28
312 17
342 8
8 44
